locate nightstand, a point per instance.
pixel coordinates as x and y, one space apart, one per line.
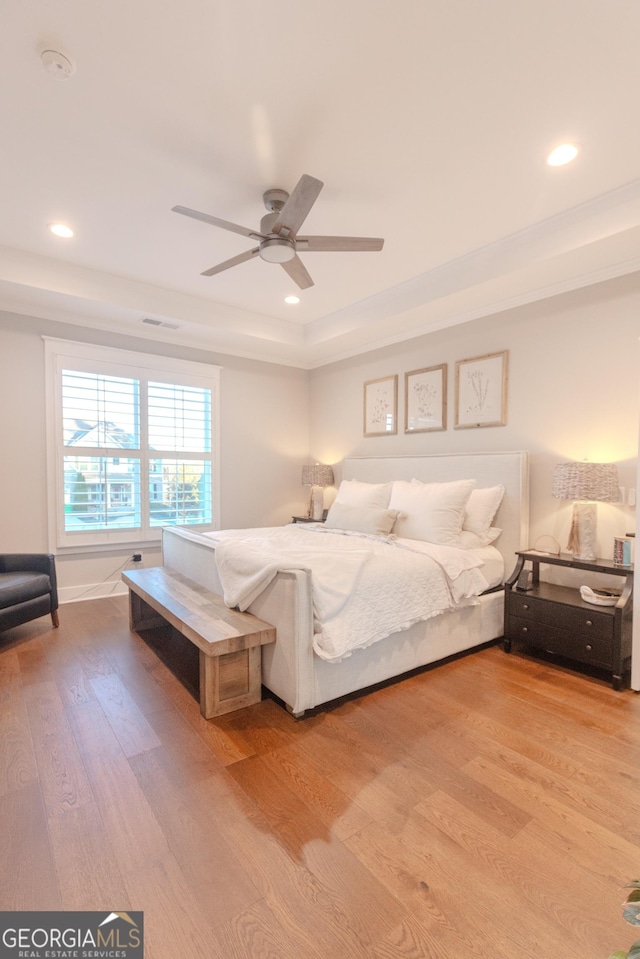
556 619
308 519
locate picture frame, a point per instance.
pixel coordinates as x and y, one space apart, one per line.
425 399
481 391
380 406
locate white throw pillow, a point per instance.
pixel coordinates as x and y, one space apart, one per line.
361 519
355 493
480 510
433 511
470 540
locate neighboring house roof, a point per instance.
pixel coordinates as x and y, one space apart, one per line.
101 434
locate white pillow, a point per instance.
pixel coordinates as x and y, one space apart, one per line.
434 511
355 493
480 510
361 519
469 540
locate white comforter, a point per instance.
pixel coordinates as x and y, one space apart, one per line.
364 587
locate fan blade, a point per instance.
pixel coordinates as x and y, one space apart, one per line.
339 244
295 211
216 221
234 261
298 272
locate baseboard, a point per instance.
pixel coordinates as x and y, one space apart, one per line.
76 594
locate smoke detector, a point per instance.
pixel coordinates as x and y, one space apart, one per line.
57 65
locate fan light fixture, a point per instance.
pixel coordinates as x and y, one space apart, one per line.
277 250
278 239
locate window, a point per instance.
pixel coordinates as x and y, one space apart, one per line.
131 443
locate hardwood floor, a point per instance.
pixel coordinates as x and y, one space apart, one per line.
488 807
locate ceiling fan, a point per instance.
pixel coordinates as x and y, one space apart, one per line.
278 240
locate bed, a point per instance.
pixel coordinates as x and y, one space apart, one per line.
295 669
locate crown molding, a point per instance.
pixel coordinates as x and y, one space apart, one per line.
599 234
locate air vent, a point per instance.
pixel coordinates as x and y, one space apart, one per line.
167 326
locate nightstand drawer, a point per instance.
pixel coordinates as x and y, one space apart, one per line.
592 623
586 648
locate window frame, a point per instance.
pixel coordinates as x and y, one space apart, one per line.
69 354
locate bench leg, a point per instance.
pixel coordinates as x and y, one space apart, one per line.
230 681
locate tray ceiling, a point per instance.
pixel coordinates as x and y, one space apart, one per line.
429 125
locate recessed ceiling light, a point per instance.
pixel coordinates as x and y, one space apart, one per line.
60 229
565 153
292 299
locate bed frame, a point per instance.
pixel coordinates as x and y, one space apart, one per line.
290 668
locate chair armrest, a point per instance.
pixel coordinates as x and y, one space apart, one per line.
32 563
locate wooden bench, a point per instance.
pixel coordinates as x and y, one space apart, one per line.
228 641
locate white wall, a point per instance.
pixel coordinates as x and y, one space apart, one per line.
263 442
573 374
573 394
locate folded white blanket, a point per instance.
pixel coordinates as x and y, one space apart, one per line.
364 587
247 568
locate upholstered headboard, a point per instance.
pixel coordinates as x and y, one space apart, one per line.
488 469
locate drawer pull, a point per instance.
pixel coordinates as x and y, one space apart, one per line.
589 623
525 606
589 648
525 629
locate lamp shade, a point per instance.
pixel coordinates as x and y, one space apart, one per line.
586 481
317 475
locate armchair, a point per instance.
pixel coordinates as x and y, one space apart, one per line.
28 588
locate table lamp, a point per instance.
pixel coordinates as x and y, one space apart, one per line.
586 484
317 477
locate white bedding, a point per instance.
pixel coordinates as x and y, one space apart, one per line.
364 587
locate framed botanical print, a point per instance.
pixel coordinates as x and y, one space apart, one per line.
381 406
481 391
425 399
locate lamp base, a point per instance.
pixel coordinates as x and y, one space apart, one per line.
583 535
317 502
